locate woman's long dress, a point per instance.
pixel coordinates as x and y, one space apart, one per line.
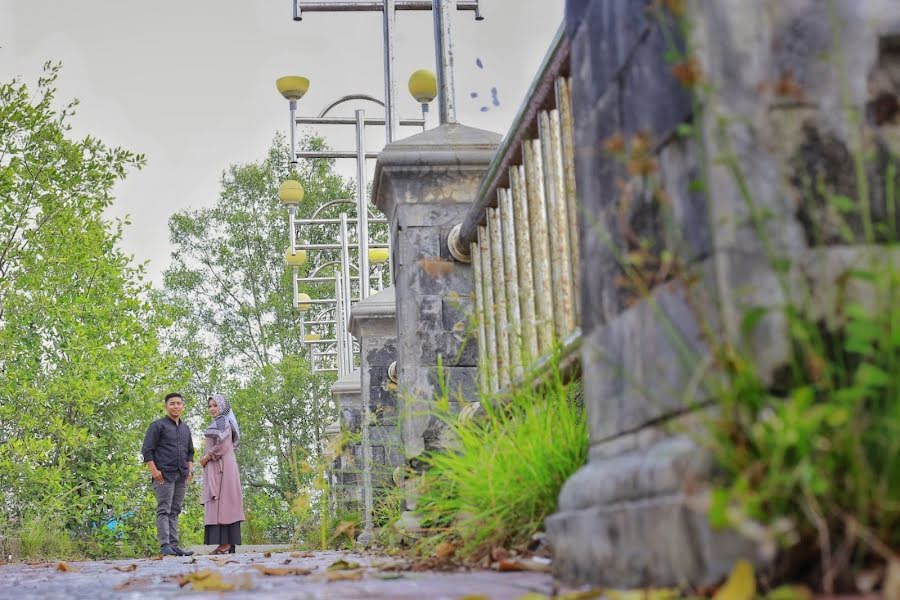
223 502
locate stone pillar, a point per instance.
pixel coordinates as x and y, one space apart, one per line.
374 323
347 470
425 184
635 515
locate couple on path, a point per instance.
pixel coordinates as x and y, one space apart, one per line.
169 454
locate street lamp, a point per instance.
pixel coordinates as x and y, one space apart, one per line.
422 86
292 87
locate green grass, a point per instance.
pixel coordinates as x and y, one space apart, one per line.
504 475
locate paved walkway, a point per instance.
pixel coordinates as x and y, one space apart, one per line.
300 576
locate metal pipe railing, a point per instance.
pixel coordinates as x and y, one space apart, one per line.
521 235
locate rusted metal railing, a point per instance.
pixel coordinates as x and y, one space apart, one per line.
521 235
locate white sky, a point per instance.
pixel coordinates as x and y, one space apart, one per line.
190 83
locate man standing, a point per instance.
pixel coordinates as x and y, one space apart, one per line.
169 453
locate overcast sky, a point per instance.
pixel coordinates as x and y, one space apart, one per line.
190 83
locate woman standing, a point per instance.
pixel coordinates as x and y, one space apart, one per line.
223 502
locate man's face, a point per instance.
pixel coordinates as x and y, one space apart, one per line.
174 407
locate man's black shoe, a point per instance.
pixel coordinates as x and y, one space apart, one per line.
181 552
167 551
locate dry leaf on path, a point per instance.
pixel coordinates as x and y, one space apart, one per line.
642 594
583 595
790 592
524 565
740 585
66 568
222 561
533 596
131 583
205 581
392 565
126 568
280 572
342 565
302 554
267 554
498 554
344 575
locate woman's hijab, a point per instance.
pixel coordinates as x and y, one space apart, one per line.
225 419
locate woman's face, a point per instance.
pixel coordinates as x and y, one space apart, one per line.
213 407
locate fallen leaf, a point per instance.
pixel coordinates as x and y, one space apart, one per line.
445 551
126 568
582 595
498 554
740 585
280 572
389 576
267 554
132 582
533 596
222 561
286 561
302 554
344 575
66 568
342 565
524 565
392 565
891 589
205 581
790 592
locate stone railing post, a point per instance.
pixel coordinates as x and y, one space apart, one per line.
347 471
425 184
373 322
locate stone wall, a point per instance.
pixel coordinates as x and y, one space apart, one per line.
634 515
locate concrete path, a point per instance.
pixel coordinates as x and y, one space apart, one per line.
377 578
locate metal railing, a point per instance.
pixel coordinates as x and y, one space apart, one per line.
521 235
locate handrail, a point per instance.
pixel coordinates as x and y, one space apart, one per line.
539 96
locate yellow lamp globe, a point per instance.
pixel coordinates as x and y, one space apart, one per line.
290 192
423 85
378 256
312 337
292 87
295 260
303 302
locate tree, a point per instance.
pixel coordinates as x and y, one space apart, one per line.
237 329
80 365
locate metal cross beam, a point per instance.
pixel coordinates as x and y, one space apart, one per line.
443 45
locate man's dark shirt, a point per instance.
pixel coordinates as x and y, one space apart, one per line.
169 446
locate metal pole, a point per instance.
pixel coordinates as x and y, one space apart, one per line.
296 274
293 128
391 116
339 317
443 50
362 205
348 299
292 212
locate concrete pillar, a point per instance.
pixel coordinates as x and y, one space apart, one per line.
374 323
425 184
347 468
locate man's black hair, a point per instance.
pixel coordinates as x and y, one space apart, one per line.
173 395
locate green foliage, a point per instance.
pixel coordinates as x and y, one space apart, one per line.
506 470
80 367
